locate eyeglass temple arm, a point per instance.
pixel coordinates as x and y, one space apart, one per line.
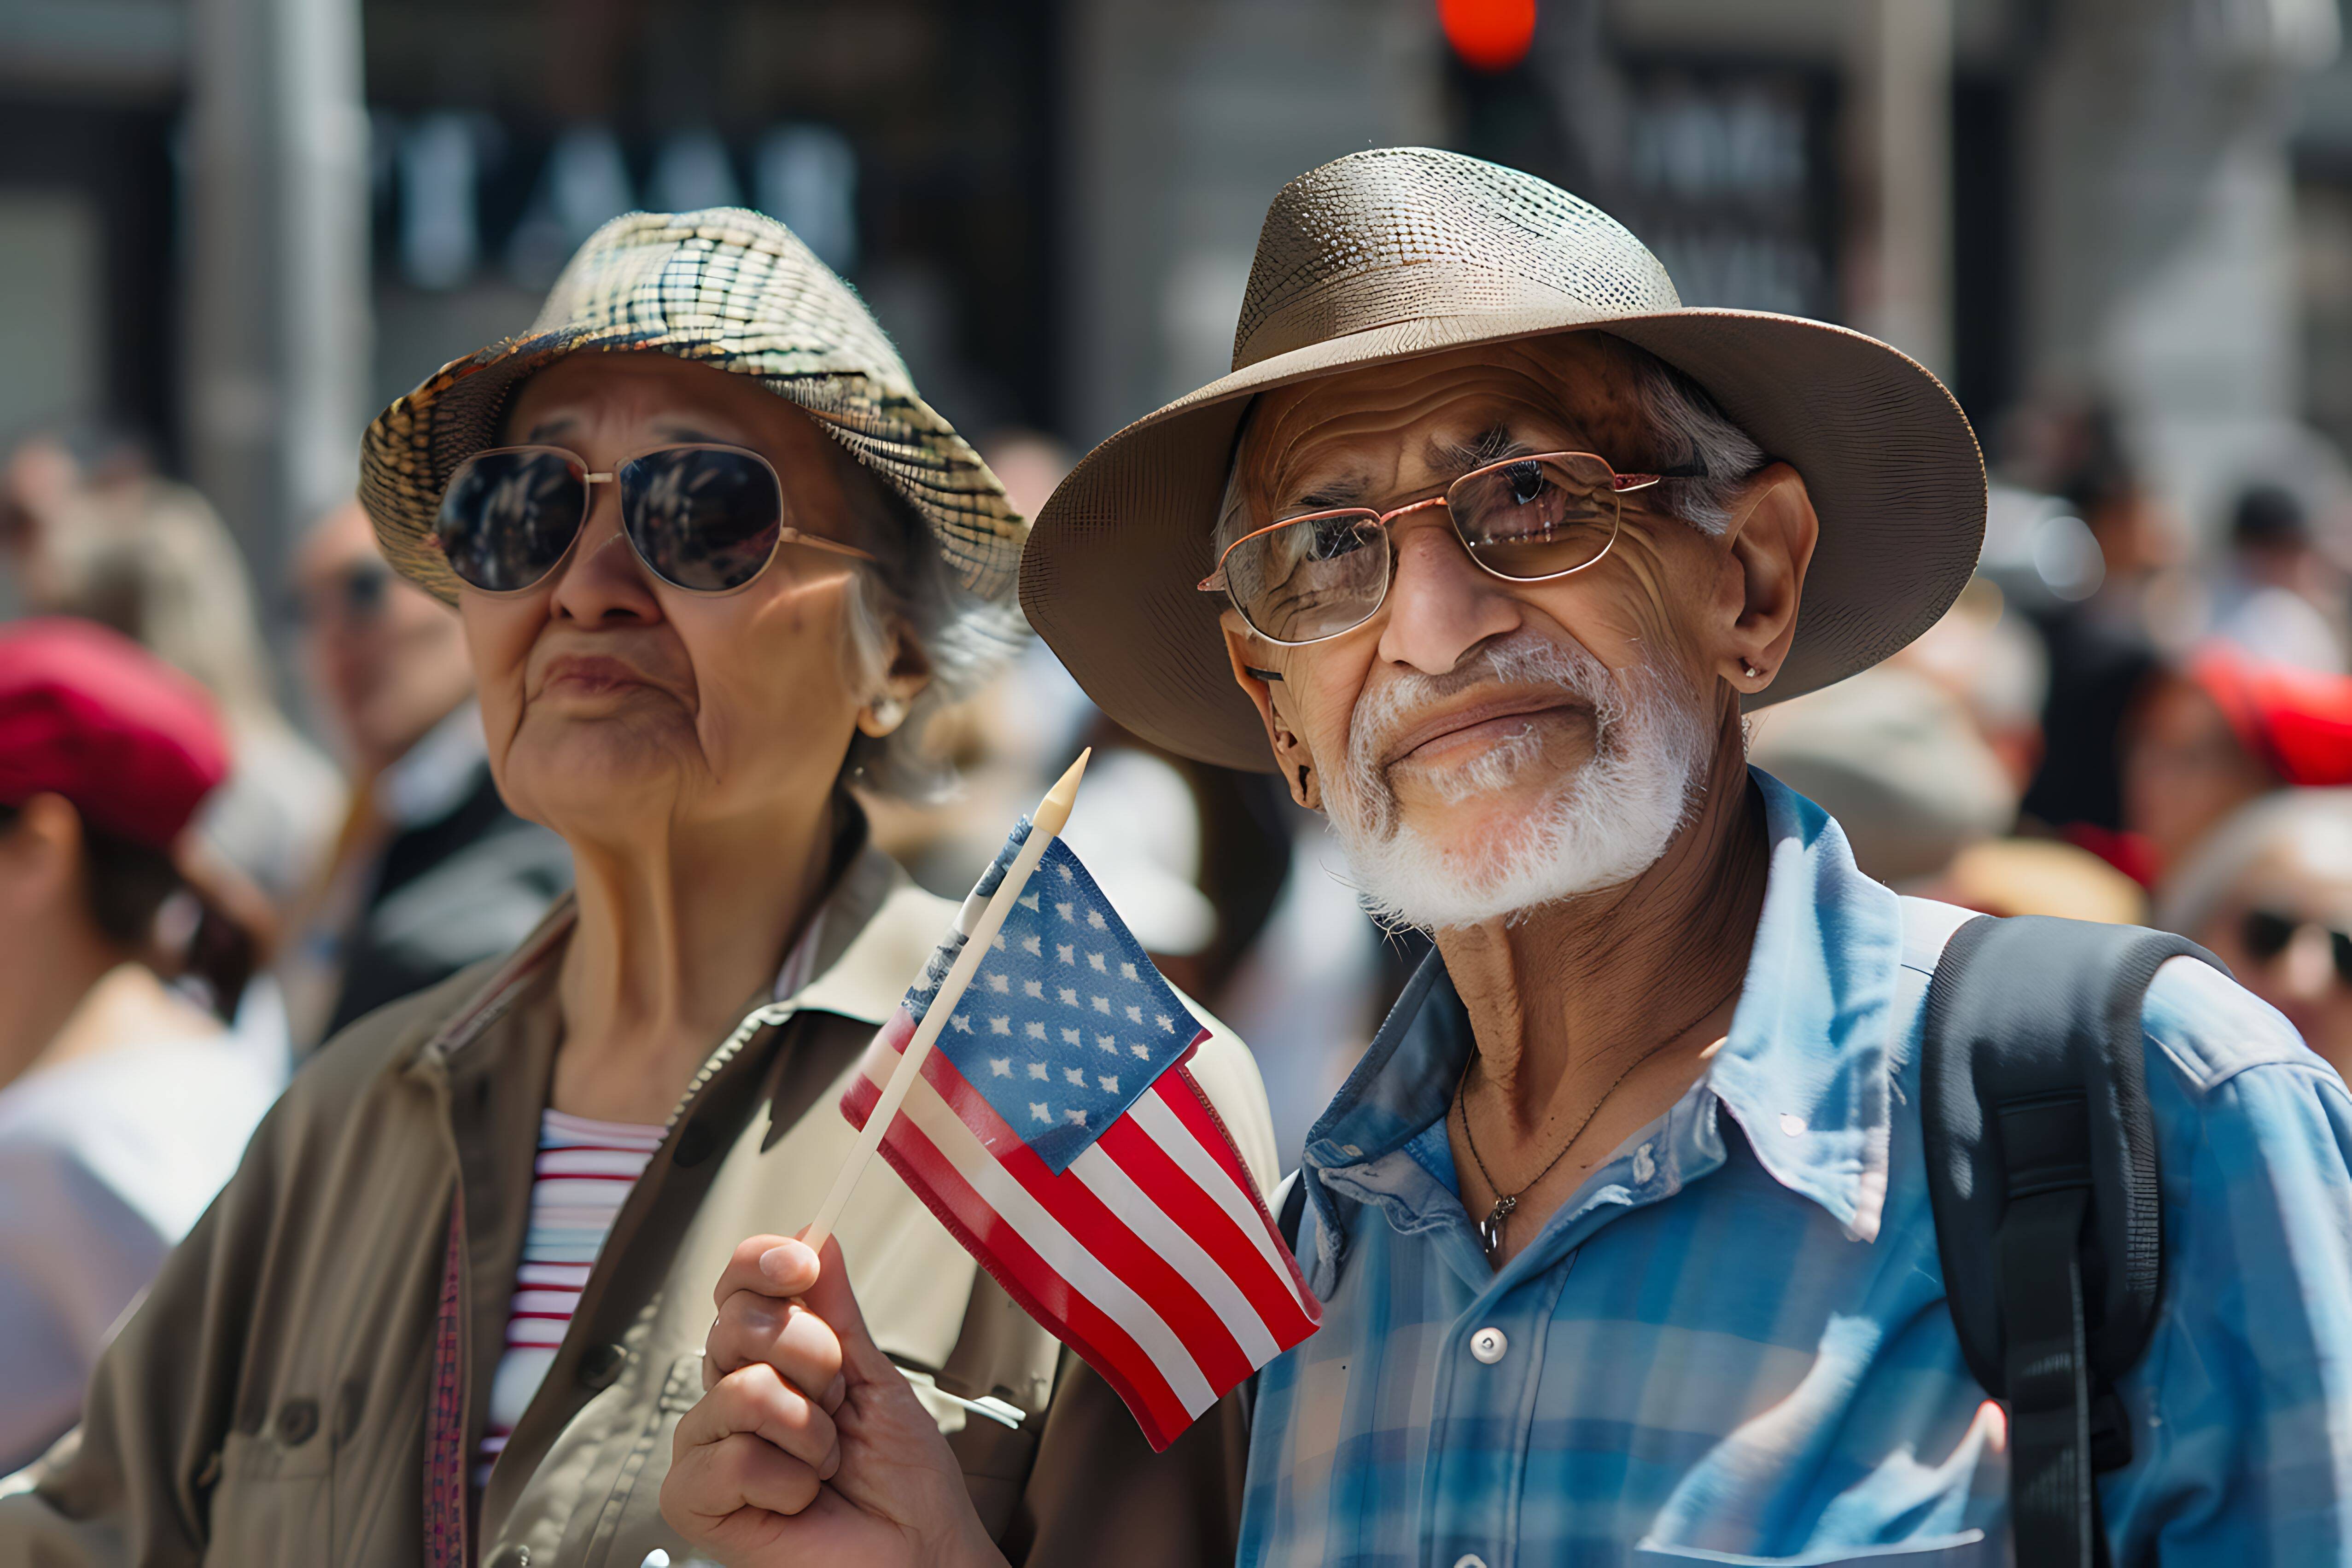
813 541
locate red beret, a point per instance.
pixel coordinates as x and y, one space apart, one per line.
89 715
2297 721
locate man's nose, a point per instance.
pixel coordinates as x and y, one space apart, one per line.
1441 605
2307 967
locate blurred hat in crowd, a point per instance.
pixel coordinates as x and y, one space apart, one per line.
1402 252
726 287
88 714
1898 761
2040 876
2297 722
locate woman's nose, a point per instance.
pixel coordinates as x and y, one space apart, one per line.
601 580
1440 604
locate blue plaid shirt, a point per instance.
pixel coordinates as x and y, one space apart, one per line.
1732 1347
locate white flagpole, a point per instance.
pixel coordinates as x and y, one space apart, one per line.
1051 813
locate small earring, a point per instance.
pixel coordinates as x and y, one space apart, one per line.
889 713
1750 671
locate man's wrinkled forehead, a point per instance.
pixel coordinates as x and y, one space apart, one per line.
1363 435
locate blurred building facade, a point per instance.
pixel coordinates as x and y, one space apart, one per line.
238 225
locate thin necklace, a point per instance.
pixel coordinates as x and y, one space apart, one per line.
1490 1230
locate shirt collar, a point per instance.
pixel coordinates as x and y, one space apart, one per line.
1805 1070
433 777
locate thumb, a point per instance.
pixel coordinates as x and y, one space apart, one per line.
832 1299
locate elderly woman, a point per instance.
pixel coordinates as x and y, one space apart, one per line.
715 561
2271 894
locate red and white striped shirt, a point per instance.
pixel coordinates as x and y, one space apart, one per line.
583 1175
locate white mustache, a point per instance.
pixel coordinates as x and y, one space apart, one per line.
1522 659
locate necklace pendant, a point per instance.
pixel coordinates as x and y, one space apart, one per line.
1490 1230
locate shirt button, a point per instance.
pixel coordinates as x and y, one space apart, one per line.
1488 1345
514 1555
1469 1559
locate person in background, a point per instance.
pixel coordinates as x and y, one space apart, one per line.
431 871
2275 599
2206 740
2096 635
2270 893
89 530
123 1104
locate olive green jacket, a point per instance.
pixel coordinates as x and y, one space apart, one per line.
267 1403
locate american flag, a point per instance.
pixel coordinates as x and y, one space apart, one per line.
1056 1132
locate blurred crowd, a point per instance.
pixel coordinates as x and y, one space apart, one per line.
211 858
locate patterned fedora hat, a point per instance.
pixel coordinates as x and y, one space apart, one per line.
726 287
1386 255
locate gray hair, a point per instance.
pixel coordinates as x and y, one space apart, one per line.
2317 822
967 638
1686 429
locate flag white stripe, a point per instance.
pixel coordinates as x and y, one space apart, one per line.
1108 1181
1061 1252
1167 1129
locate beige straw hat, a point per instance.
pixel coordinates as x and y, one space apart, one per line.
726 287
1389 254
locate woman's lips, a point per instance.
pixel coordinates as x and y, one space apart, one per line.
590 673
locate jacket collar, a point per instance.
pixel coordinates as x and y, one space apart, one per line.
1805 1070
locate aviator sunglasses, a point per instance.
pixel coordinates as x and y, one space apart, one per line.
1320 574
703 517
2267 933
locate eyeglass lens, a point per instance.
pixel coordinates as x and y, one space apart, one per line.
2267 934
1326 573
703 518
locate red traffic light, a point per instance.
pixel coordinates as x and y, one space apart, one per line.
1489 34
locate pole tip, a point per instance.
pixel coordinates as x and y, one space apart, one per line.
1054 809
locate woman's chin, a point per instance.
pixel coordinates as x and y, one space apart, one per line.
592 778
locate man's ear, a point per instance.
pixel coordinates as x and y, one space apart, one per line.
1292 758
1768 547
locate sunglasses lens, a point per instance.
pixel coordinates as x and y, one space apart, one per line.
508 515
1312 576
705 518
2266 934
1537 518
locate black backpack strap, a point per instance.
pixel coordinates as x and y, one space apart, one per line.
2040 1154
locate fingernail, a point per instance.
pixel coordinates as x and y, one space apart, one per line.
780 1257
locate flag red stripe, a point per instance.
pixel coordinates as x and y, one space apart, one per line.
1032 1283
1192 1107
1205 1219
1026 1276
1099 1227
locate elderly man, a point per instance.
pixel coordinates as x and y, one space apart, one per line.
1623 1225
1623 1229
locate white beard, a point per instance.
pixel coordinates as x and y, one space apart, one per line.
1604 823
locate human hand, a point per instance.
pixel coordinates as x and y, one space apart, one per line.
764 1472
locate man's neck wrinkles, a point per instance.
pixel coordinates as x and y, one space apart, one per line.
1582 988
